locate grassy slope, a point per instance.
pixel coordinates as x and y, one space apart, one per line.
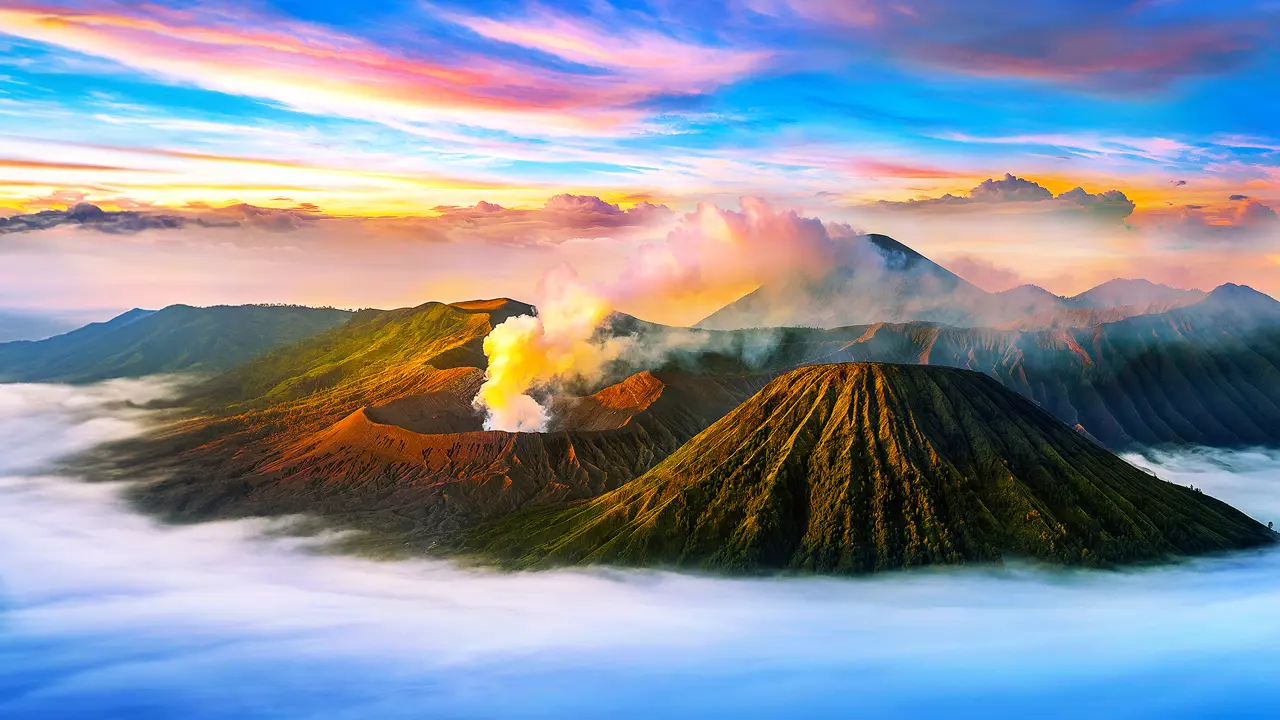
858 468
178 338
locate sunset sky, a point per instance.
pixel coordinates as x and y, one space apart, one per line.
391 153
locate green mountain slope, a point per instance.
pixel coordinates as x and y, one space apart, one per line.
866 467
178 338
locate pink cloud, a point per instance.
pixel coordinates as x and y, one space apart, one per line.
1253 214
318 71
983 273
1120 46
650 57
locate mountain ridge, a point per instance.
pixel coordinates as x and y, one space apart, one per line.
894 283
178 338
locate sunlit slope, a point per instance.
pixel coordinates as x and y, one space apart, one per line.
179 338
379 355
864 467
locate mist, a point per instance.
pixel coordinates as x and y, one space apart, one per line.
105 613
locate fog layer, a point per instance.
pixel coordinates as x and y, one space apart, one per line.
104 613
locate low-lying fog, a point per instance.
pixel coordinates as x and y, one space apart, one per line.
105 614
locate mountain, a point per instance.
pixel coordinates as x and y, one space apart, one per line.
1206 374
378 355
1134 293
178 338
373 422
1025 301
866 467
883 280
878 279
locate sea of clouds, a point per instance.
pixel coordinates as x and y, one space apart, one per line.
106 614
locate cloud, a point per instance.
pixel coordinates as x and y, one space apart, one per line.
1253 214
125 613
712 247
94 218
983 273
1109 205
1096 46
888 169
129 222
1009 189
1247 220
248 54
561 218
259 218
1177 183
1234 198
647 55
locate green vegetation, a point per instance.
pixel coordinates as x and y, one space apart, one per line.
865 467
1206 374
373 344
178 338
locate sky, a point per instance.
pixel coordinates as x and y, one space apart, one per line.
389 153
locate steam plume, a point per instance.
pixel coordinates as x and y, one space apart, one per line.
710 249
528 353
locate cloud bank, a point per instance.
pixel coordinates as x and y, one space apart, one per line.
109 614
1110 205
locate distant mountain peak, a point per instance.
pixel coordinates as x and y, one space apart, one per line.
1132 292
891 282
1242 298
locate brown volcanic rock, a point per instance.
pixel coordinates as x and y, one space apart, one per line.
420 465
428 413
610 408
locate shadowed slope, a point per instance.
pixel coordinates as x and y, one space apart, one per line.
1204 374
865 467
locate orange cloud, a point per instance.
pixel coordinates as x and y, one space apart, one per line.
7 163
879 168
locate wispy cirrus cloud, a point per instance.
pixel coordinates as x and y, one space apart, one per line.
321 71
1095 45
646 55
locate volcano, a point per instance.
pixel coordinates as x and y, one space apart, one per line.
864 467
879 279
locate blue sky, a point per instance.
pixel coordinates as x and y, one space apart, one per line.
402 108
